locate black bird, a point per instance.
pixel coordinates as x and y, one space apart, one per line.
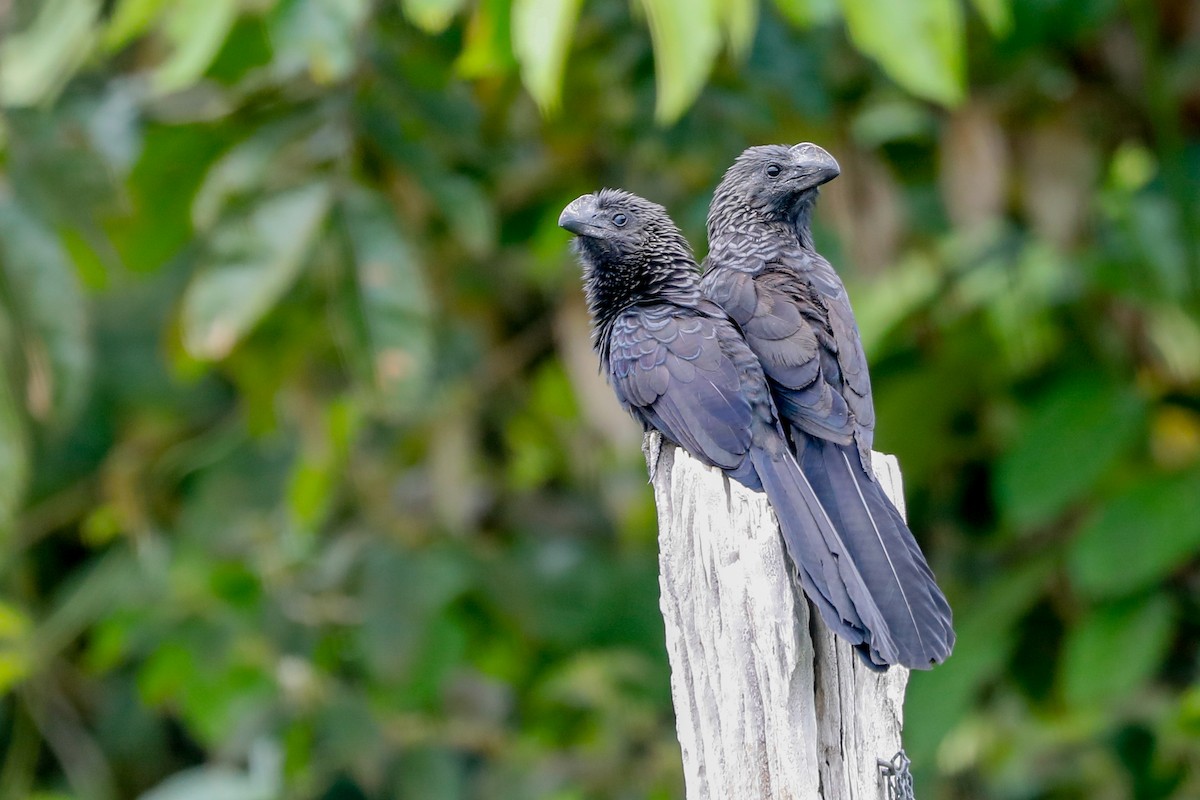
792 308
681 367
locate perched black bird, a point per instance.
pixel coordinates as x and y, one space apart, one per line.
681 367
792 308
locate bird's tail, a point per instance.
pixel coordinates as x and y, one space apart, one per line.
857 559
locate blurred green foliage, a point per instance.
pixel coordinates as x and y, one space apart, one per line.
308 485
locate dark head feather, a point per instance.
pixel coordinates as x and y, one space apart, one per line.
631 251
771 184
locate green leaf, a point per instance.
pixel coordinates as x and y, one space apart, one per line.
431 773
242 170
997 15
440 652
252 260
93 591
231 690
37 61
173 162
321 465
487 50
404 598
1071 437
1175 333
15 663
468 210
318 36
431 16
541 34
557 590
886 301
166 673
807 13
920 45
48 306
14 441
1115 649
196 30
739 18
897 118
131 19
1139 537
686 37
1020 308
396 304
986 625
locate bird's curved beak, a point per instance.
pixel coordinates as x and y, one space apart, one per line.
815 163
579 216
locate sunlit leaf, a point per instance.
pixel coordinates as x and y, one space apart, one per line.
166 673
240 171
321 464
1070 439
806 13
920 45
37 61
432 16
898 119
1175 437
1175 334
14 655
997 14
739 18
226 694
196 30
1139 537
488 46
687 38
130 19
1133 166
252 260
541 34
885 302
13 623
1115 649
395 301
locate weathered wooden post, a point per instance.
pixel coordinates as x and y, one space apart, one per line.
769 704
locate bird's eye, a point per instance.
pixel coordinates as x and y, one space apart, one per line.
773 170
619 220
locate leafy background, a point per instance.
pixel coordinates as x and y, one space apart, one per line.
308 485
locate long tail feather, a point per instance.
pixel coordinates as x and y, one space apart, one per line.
876 539
826 570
